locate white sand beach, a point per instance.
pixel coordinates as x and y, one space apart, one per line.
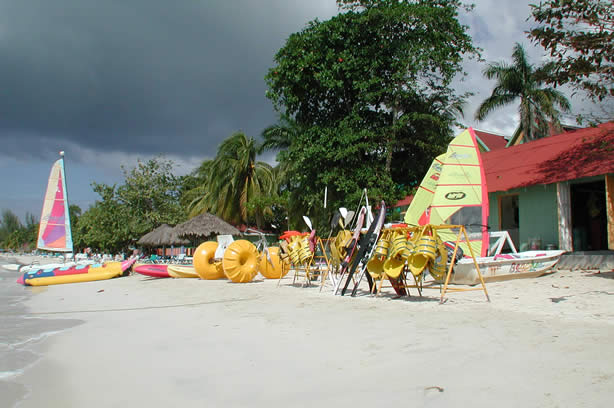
543 342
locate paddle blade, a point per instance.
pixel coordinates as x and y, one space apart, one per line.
308 222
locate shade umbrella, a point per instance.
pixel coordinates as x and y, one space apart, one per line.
205 225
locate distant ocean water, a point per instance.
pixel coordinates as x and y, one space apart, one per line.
20 336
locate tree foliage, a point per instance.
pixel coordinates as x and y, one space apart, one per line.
152 193
107 226
521 81
15 235
579 36
366 88
150 197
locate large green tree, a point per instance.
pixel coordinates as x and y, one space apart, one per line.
235 178
521 82
107 225
150 197
152 193
370 91
579 36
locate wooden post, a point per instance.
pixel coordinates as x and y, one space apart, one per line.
563 201
446 288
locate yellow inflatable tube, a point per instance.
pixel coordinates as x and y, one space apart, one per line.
240 261
278 269
204 262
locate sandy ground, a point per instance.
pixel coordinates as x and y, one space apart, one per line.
544 342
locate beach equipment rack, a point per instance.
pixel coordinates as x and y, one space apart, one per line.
420 252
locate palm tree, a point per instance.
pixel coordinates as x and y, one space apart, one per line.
197 194
281 135
235 179
521 81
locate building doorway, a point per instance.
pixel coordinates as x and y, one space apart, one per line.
508 213
588 216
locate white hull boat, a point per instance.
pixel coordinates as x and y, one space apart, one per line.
528 264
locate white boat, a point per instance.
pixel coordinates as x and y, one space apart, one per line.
55 234
527 264
454 192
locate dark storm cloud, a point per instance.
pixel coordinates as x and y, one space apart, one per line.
148 75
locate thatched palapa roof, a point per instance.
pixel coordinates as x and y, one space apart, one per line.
164 235
205 225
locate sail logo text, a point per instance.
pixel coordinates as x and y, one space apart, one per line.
455 195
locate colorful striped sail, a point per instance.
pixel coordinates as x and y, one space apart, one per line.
54 233
460 196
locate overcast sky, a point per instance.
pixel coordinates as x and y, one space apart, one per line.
116 80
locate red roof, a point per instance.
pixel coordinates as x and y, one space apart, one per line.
582 153
492 141
404 201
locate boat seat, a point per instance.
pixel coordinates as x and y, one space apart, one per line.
223 241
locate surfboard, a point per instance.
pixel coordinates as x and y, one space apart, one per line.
370 247
351 248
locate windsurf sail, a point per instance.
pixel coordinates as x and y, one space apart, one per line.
54 233
418 211
460 195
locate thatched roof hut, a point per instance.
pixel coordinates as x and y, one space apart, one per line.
164 235
205 225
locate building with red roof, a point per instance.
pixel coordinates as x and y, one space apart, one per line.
489 141
558 190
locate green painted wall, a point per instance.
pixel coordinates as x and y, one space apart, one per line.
493 210
537 213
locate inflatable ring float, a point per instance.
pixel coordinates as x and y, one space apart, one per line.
278 269
204 261
240 261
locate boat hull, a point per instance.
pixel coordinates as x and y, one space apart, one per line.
166 271
74 274
529 264
182 271
153 270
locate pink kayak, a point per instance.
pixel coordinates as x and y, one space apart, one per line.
153 270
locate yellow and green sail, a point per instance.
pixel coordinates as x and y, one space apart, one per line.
460 196
418 211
